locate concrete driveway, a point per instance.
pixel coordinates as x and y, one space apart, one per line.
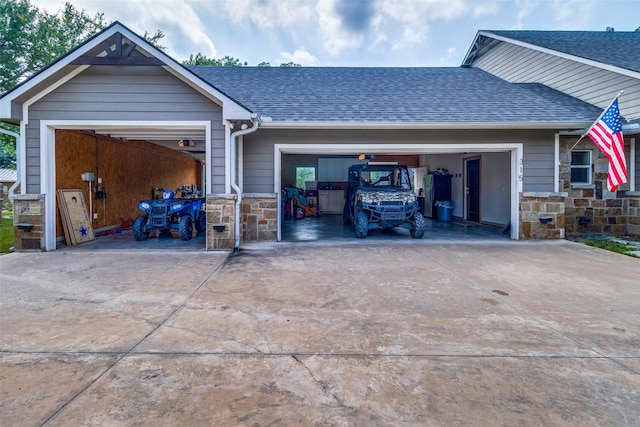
364 334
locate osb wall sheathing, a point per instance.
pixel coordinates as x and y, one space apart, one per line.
129 171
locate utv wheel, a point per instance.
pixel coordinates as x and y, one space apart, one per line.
201 223
361 225
346 215
417 232
185 227
139 232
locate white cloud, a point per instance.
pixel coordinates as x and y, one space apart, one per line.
300 56
573 14
177 17
524 9
415 17
335 37
450 57
266 14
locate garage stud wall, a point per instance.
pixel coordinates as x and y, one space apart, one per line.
129 170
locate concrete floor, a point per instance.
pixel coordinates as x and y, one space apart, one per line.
449 333
330 227
327 227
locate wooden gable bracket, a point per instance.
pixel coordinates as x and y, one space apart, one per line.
119 55
480 43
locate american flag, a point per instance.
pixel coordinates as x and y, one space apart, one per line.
606 132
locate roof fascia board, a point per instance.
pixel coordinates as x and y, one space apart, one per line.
425 126
574 58
171 65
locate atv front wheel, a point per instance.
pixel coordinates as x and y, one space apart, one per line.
417 232
185 227
361 225
139 232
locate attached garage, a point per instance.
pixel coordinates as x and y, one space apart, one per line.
121 109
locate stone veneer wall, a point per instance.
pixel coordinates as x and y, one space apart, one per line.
633 221
221 211
536 207
28 209
592 208
259 217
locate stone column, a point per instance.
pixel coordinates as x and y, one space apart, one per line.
542 215
259 217
221 221
633 213
28 222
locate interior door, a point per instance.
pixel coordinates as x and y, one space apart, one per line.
473 189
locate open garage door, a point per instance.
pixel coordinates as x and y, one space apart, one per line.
118 165
484 183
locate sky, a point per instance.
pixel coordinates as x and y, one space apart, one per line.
347 33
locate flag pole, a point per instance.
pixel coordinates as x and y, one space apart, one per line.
589 128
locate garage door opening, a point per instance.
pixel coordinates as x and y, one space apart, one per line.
115 168
482 189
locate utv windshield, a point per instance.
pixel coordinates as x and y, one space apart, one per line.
385 178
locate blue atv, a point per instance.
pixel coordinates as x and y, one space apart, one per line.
171 213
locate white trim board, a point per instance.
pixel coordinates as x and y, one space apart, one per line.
48 157
516 149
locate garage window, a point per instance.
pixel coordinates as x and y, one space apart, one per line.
581 167
304 174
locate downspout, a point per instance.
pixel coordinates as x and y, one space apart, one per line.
12 196
234 184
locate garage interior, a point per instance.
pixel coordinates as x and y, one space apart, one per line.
484 213
127 165
130 164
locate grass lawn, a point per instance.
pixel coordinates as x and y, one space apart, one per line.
612 245
6 235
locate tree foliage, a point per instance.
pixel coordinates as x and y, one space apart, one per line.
200 59
228 61
31 39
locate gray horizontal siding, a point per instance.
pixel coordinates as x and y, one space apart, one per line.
591 84
538 153
129 94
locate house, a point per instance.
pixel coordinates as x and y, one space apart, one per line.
138 120
8 177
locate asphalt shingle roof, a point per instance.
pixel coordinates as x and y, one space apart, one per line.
617 48
402 95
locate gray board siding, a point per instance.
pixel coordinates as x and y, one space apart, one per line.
133 93
258 150
619 48
596 86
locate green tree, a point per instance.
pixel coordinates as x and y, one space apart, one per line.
200 59
31 39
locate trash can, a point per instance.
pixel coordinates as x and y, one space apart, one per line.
445 210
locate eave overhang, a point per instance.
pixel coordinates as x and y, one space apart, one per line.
557 126
484 40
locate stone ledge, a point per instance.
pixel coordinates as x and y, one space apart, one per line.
543 194
221 196
28 197
259 195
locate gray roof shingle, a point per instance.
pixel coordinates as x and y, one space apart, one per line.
390 95
617 48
